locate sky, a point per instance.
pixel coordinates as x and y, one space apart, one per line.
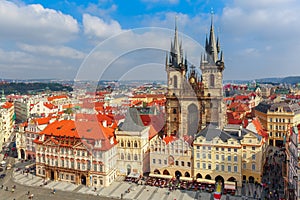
117 39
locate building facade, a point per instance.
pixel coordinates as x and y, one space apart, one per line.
77 152
276 118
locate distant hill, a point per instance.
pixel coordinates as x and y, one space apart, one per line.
32 88
288 80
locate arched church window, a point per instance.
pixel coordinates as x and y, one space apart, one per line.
174 111
128 157
175 82
135 144
212 80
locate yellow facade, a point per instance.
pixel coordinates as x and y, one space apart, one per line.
217 159
277 120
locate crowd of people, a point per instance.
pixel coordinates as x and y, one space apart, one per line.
272 185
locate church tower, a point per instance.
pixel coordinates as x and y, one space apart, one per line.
183 105
212 66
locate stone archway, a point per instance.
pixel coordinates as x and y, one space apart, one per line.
219 178
251 179
22 154
83 179
178 174
166 172
208 177
198 175
186 174
156 171
232 179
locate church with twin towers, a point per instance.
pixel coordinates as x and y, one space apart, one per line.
194 100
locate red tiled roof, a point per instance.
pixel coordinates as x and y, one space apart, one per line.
44 120
7 105
259 128
169 139
57 97
50 105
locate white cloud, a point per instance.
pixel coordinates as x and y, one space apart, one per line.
97 27
35 23
55 51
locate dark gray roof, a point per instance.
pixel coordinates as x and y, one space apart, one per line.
263 107
211 131
132 121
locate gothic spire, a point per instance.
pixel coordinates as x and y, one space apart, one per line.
212 49
177 46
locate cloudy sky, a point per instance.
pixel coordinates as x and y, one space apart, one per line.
100 39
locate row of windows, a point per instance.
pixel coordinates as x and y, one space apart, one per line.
218 167
278 127
217 148
280 120
129 156
253 156
253 166
129 144
235 158
253 148
276 134
182 163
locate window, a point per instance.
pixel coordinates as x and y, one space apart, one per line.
253 167
175 81
62 163
135 144
244 166
198 155
253 148
244 147
209 156
235 158
82 153
203 147
165 162
204 156
209 148
229 168
223 157
203 165
235 168
212 80
188 164
159 161
182 163
128 144
229 158
253 156
222 168
198 165
217 157
198 147
235 149
217 148
217 167
229 149
122 144
209 166
176 163
101 168
78 165
95 167
174 111
222 149
83 166
122 156
270 119
128 157
135 157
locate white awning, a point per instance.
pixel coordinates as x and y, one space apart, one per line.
185 178
229 185
161 176
134 175
202 180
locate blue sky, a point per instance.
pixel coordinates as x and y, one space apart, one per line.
54 39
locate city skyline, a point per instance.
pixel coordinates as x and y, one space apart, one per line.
51 39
